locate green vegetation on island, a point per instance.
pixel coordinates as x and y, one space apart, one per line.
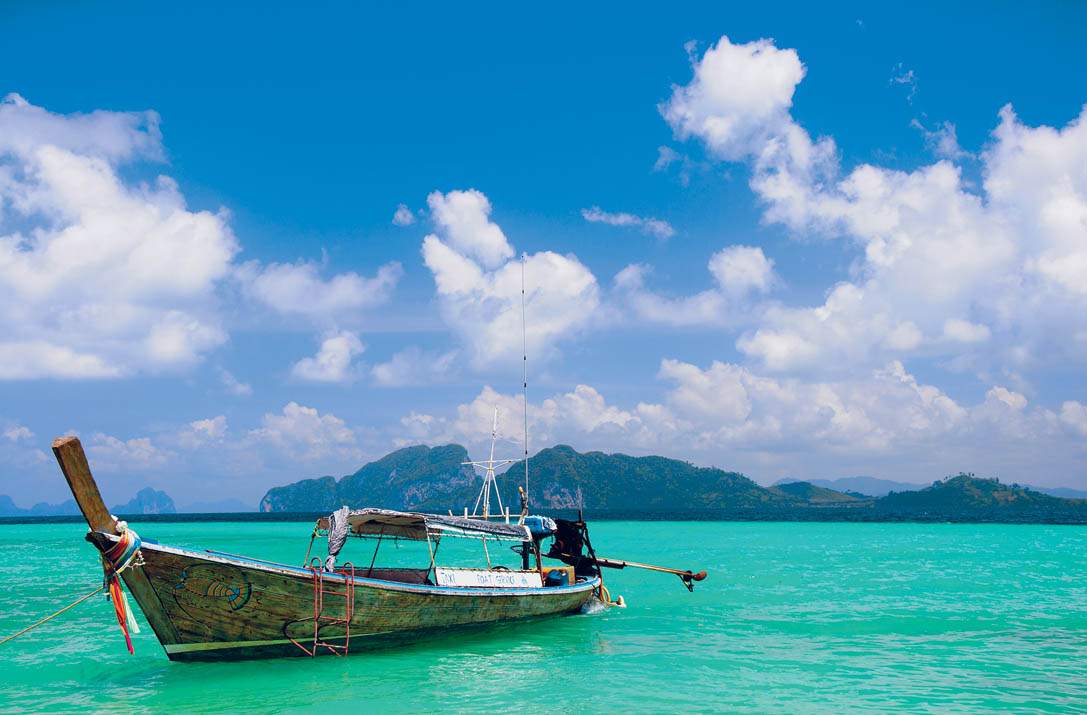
413 478
618 485
564 480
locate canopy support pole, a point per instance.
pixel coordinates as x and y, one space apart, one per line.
376 547
433 549
309 548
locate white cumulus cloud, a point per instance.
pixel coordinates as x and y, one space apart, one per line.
463 217
1074 414
302 433
413 367
112 136
739 273
964 331
333 361
739 98
106 277
202 433
131 455
742 269
233 385
571 417
943 140
17 433
101 277
403 216
479 286
298 289
732 416
944 268
652 226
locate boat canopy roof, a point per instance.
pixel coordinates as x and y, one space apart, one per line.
416 525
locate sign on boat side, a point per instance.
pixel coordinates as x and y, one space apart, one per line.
481 578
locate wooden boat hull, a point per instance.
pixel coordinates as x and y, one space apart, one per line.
215 607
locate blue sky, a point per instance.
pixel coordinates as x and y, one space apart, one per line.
818 249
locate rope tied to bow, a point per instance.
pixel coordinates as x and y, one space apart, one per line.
115 560
51 616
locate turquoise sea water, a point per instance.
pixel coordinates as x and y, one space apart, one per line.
793 618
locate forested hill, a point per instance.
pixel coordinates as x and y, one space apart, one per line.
562 478
434 479
413 478
966 497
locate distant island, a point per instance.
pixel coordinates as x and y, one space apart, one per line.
864 486
875 487
146 501
65 508
613 485
563 480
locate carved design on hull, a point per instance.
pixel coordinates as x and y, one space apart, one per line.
215 581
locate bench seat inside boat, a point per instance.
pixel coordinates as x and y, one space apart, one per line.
400 575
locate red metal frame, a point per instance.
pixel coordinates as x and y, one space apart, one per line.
320 619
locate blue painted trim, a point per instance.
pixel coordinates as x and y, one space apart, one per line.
400 586
250 559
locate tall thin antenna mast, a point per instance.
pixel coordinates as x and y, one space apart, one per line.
524 367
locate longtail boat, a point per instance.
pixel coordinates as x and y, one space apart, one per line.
210 605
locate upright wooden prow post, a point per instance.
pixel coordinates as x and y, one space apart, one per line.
73 463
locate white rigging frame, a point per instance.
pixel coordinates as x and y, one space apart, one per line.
489 480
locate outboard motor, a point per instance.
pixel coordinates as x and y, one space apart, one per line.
572 547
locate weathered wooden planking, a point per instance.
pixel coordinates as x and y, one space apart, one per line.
73 464
76 470
220 609
224 610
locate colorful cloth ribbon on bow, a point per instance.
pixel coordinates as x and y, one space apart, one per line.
115 560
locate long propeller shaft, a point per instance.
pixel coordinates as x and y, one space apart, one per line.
687 576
